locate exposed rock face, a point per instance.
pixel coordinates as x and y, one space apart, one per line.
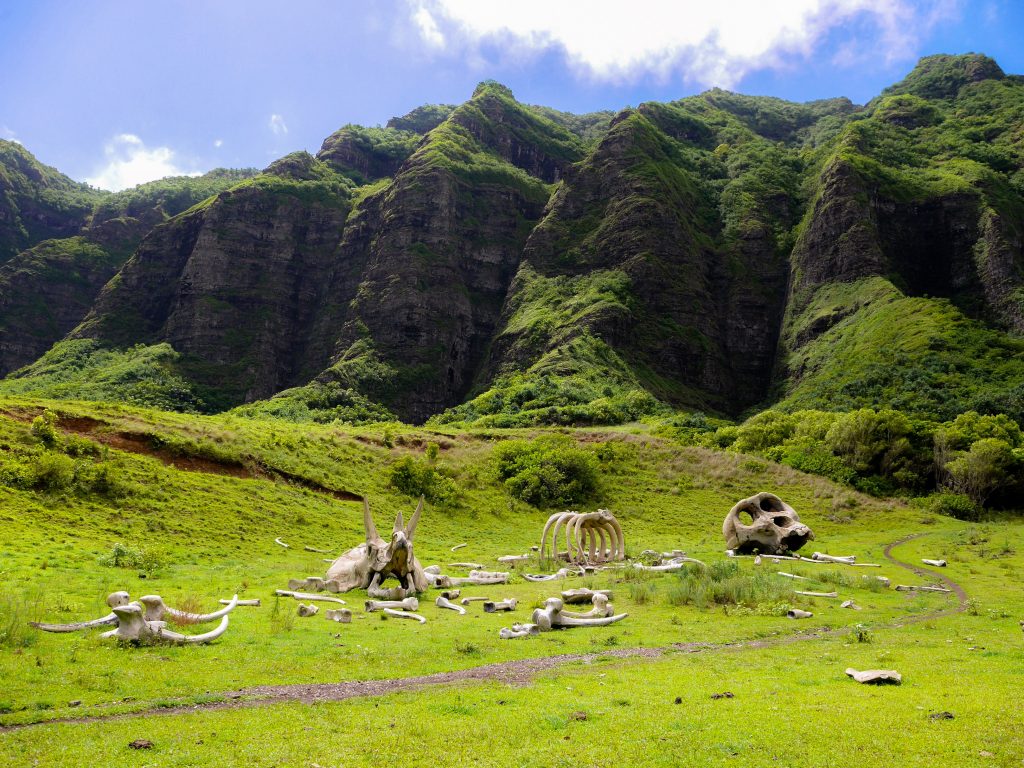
709 252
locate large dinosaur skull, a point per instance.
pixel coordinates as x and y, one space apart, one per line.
774 527
369 564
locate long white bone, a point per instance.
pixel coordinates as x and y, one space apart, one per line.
847 560
468 600
935 563
403 615
281 543
504 605
157 609
513 558
308 596
254 603
114 600
408 604
444 602
583 595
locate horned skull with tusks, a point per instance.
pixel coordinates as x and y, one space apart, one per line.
774 528
368 565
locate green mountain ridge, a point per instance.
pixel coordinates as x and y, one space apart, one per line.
504 264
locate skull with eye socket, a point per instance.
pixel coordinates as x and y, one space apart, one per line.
774 527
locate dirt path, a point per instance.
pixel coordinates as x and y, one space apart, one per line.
518 672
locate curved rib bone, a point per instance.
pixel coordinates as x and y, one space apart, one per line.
408 604
553 520
403 615
491 606
308 548
156 609
458 546
307 596
180 639
444 602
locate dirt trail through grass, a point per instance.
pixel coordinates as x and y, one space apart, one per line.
518 672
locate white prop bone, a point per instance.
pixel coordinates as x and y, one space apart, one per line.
403 615
255 603
601 609
847 560
796 613
281 543
471 566
583 595
593 537
408 604
468 600
369 564
114 600
934 563
475 578
156 609
451 594
519 630
491 606
132 627
550 617
340 615
444 602
458 546
561 573
774 528
318 551
308 596
308 610
513 558
676 564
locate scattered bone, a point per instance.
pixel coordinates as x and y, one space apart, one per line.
307 596
340 615
601 609
583 595
914 588
475 577
458 546
451 594
318 551
816 594
513 558
444 602
490 606
793 576
468 600
775 527
434 569
757 560
935 563
408 604
585 536
774 558
676 564
561 573
883 579
281 543
311 583
796 613
387 593
466 565
850 604
847 560
876 676
156 610
114 599
132 627
110 618
308 610
404 615
254 603
519 630
550 616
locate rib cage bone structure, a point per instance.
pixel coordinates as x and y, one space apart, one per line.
590 537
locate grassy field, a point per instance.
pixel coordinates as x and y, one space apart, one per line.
200 501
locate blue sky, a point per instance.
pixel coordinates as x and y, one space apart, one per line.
120 92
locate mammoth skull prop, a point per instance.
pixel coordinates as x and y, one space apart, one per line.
368 565
774 527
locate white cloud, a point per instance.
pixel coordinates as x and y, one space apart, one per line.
130 162
278 125
7 133
218 143
712 43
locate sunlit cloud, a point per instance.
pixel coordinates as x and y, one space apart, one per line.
708 43
218 143
130 162
278 125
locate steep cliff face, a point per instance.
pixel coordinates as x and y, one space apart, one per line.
232 286
46 290
426 263
508 264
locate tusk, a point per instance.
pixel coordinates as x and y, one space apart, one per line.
281 543
444 602
403 615
176 637
110 618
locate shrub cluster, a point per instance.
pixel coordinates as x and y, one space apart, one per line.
549 471
415 477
